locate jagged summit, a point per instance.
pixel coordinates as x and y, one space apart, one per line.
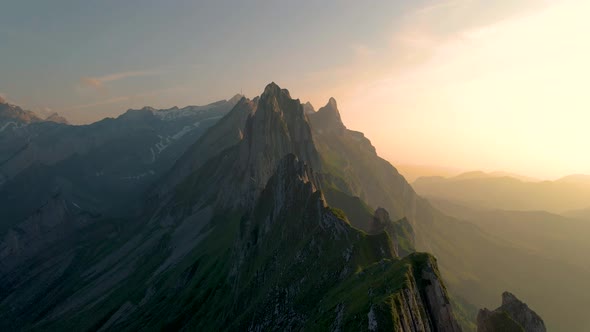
332 103
278 127
509 299
242 234
185 113
331 109
273 89
512 315
308 108
269 128
328 117
236 98
10 113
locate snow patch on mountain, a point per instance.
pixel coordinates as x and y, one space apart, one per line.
14 124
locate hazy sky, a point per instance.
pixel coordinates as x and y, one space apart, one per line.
491 85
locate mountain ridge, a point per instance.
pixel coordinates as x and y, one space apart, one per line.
218 230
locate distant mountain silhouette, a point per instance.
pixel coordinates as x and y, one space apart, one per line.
509 193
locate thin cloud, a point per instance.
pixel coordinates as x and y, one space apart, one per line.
99 82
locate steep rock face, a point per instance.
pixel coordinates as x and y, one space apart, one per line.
436 298
355 169
306 255
252 245
277 127
496 321
227 132
328 118
400 231
476 265
512 315
308 108
351 157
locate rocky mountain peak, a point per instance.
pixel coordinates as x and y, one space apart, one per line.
380 220
236 98
277 128
144 114
512 315
381 214
509 299
274 127
328 118
333 104
308 108
273 90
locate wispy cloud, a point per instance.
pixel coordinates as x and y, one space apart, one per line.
98 82
2 98
127 98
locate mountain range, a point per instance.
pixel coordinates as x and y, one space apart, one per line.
103 167
259 214
509 192
227 237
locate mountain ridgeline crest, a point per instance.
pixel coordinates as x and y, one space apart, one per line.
276 217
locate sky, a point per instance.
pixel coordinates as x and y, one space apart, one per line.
463 84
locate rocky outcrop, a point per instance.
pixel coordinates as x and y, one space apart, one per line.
512 315
496 321
308 108
54 117
400 231
435 297
381 223
327 118
278 127
423 305
233 175
292 213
